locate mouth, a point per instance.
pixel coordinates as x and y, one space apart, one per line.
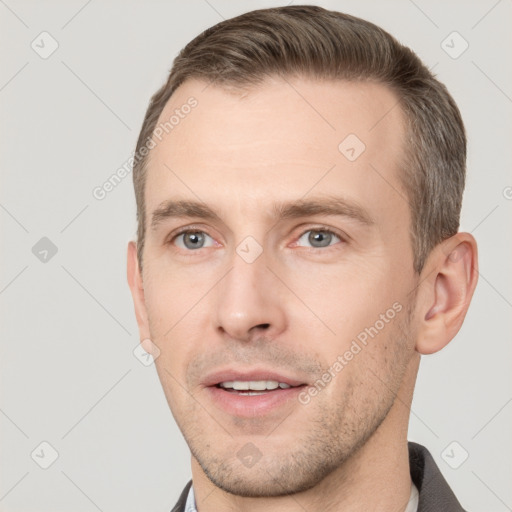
252 394
253 387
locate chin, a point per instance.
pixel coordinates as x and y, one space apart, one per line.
261 485
271 476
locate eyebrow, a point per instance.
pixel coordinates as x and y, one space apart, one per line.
324 205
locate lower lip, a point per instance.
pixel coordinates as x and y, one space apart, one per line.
238 404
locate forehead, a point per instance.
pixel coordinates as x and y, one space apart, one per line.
278 141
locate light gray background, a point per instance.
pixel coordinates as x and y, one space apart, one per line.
68 374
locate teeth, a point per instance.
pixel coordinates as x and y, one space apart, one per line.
253 385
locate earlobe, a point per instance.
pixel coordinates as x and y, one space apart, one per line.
135 282
446 291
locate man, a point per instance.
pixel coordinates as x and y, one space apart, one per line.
299 181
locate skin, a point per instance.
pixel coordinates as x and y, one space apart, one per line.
298 306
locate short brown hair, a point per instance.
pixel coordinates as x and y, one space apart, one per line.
310 41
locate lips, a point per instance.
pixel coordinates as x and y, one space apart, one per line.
253 385
253 376
253 393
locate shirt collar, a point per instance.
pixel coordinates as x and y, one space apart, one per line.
412 505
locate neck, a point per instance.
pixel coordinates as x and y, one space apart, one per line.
376 477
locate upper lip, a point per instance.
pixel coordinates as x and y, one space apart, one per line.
227 375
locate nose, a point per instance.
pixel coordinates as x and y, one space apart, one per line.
250 301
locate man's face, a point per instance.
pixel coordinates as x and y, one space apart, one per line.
282 328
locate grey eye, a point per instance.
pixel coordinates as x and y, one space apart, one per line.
192 240
319 238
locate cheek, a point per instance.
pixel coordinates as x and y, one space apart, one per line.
346 299
169 296
172 307
369 368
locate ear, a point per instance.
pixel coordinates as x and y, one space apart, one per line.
448 281
137 288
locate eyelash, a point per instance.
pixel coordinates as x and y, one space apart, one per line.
323 229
